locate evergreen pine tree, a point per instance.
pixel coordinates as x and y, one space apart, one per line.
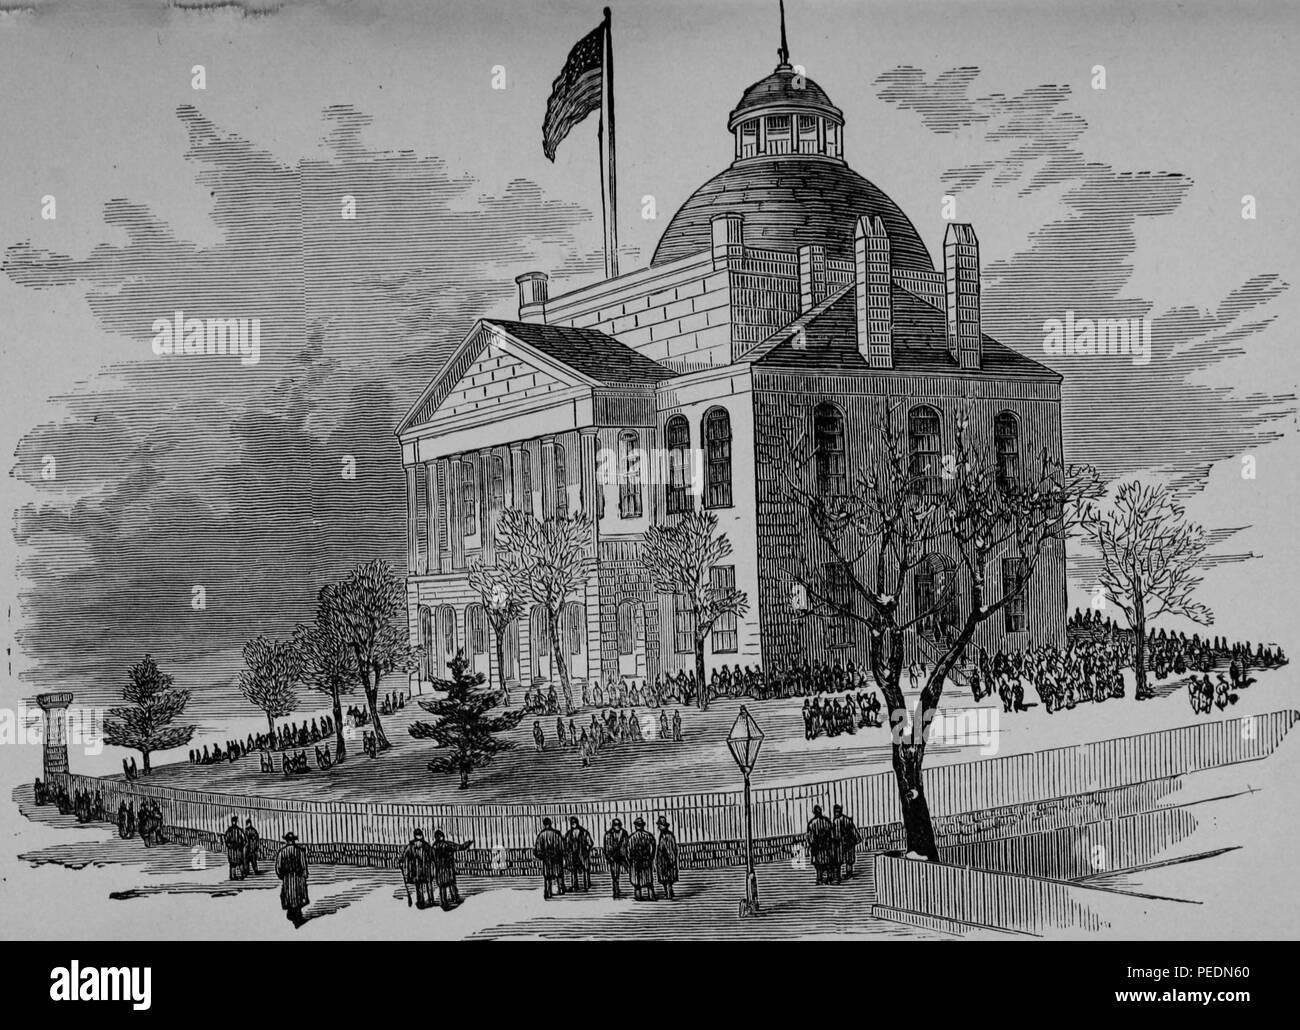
464 731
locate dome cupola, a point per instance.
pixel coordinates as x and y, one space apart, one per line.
786 114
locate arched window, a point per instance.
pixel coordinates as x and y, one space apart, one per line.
539 632
476 636
1006 438
510 651
561 484
828 439
717 457
428 661
923 447
626 625
573 627
934 598
446 634
677 441
629 475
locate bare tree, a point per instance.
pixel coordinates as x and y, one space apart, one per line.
366 612
880 530
552 556
328 666
680 558
1150 555
272 670
501 588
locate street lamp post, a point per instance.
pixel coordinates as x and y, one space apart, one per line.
744 740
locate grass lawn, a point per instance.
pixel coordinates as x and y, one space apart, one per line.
702 762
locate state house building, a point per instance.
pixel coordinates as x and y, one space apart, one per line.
788 297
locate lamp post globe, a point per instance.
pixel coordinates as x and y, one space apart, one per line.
744 741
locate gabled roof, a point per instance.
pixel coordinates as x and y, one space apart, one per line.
584 357
587 351
828 342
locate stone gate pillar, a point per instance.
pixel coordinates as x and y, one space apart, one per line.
55 741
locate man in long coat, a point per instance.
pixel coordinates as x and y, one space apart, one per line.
291 868
641 856
416 863
549 849
847 839
234 839
616 852
444 869
822 847
251 840
577 852
666 857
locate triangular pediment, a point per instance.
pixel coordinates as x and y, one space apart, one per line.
490 368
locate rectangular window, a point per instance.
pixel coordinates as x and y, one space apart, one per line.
496 483
778 134
839 600
468 500
722 578
683 625
1016 612
629 481
526 464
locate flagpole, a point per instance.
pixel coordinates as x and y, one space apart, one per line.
608 177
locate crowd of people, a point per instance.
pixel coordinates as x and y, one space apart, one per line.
359 715
831 716
609 729
289 737
1084 671
89 807
639 855
1175 653
85 806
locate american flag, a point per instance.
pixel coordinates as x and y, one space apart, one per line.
576 90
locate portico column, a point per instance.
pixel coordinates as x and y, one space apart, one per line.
486 520
433 552
412 522
517 479
548 477
587 456
456 518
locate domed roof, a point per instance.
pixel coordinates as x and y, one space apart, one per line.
788 202
784 89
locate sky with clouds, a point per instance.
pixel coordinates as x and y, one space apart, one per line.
1119 203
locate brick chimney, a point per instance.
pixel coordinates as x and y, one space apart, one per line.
872 282
961 272
812 277
533 287
728 240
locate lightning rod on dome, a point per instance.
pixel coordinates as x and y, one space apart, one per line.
784 51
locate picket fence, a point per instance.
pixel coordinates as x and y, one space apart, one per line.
778 812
